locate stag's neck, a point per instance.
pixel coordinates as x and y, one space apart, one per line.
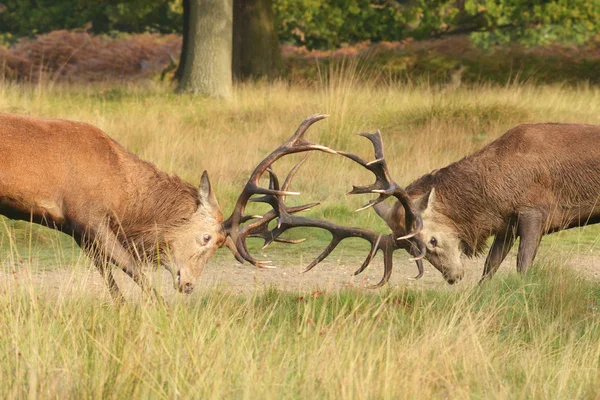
157 204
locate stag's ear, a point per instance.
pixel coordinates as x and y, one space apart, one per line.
206 194
385 212
393 217
425 201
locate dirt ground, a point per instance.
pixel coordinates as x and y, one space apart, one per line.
230 277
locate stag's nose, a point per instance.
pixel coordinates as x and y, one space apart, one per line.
452 279
186 288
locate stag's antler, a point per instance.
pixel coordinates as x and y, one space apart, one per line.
385 186
275 196
237 235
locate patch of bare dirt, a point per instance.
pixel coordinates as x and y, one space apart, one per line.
230 277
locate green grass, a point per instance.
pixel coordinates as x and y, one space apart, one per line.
515 337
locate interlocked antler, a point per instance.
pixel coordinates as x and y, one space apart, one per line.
385 243
385 186
275 196
237 236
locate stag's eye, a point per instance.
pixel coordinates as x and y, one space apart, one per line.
433 242
204 239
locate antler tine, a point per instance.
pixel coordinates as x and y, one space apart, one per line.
298 136
386 243
377 142
387 268
421 271
286 240
330 247
292 173
367 262
385 186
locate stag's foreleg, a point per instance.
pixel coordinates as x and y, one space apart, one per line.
105 270
529 230
108 244
503 242
102 262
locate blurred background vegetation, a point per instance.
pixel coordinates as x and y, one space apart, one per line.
438 41
329 24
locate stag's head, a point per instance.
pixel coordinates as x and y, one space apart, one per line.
197 239
443 246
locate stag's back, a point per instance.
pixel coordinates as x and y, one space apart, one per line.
534 160
60 169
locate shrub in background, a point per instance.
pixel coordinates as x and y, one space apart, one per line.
80 56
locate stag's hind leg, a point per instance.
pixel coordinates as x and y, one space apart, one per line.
503 242
529 230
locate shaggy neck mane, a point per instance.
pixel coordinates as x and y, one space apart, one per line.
160 204
462 207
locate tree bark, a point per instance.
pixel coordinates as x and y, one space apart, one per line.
207 67
256 52
185 34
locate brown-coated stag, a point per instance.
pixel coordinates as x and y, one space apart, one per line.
122 210
533 180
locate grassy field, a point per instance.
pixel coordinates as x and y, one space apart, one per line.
531 337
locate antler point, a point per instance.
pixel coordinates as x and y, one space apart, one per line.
405 237
378 160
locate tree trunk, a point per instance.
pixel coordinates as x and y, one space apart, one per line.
256 51
185 34
207 68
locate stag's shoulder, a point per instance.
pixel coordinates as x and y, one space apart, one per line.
59 134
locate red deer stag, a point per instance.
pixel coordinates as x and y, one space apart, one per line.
533 180
122 210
